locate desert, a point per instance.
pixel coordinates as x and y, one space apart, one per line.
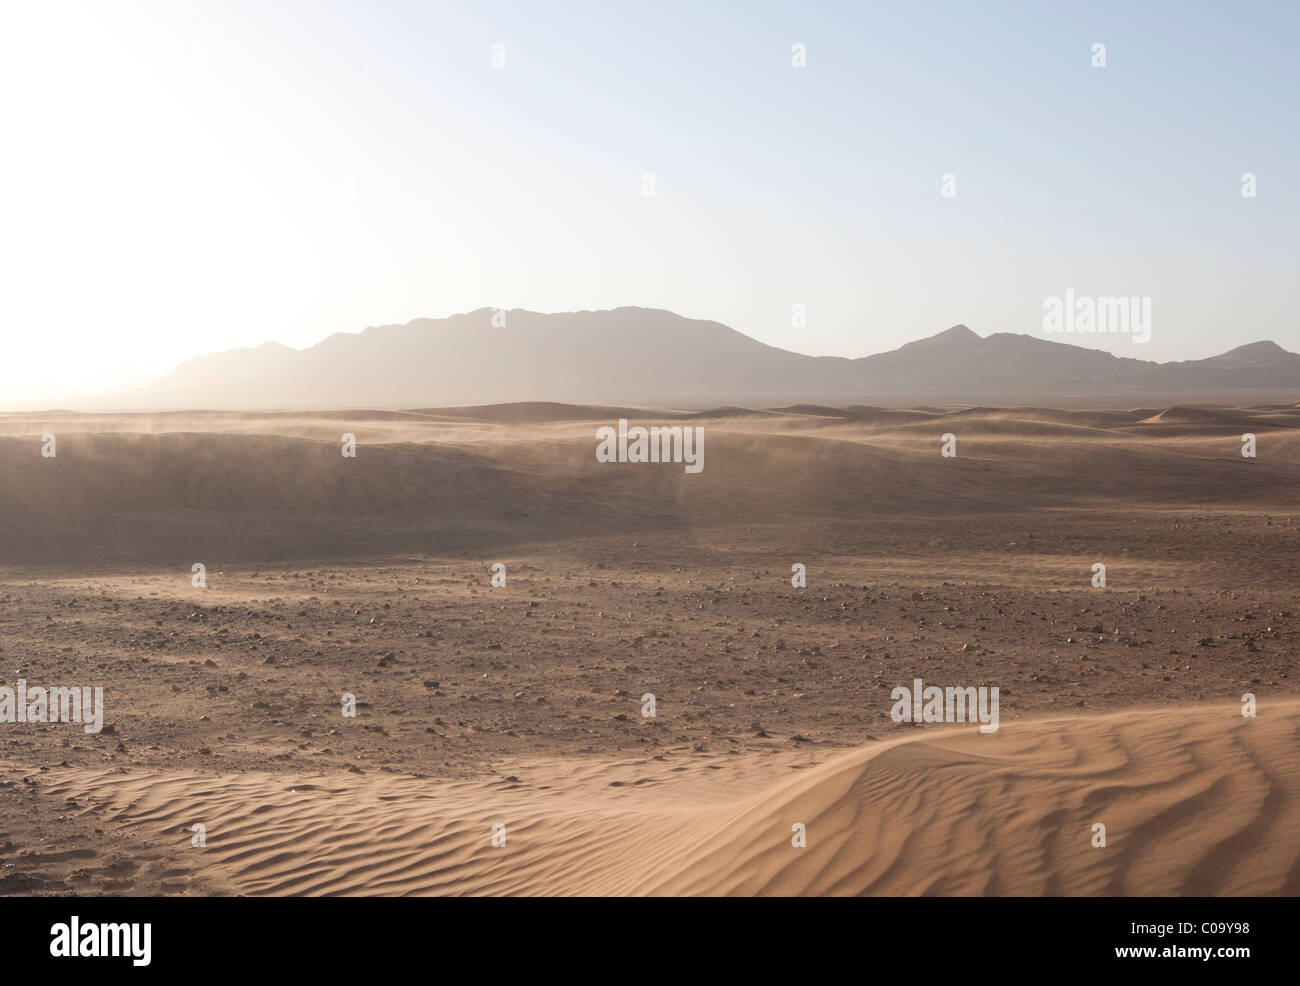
502 607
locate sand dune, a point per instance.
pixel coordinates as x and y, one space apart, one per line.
1196 801
1212 417
152 488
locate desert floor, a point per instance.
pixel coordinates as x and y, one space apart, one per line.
521 705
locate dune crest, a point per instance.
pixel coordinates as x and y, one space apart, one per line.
1195 800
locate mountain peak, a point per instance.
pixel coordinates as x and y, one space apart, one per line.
959 336
1264 348
1263 353
958 339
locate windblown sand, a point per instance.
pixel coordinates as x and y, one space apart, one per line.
522 705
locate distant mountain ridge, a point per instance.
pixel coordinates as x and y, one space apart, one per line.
643 356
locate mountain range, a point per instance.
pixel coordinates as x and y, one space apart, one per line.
655 357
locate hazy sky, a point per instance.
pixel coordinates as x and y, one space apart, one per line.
184 177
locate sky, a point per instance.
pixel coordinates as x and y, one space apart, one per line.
179 178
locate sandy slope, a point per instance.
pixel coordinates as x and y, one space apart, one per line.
1195 801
